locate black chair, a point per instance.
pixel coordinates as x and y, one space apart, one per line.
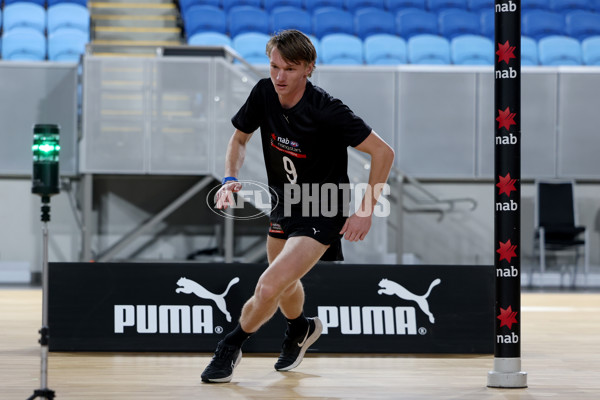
555 231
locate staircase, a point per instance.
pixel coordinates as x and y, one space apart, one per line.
133 27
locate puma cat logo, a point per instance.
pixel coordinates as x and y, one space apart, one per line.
391 287
188 287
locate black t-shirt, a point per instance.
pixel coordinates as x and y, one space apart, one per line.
305 144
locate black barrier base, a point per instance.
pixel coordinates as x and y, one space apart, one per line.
42 394
191 306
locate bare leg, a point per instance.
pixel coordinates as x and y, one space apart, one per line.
279 284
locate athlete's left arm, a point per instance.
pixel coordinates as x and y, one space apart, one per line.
382 156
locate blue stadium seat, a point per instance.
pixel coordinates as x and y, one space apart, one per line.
428 49
413 22
204 19
341 49
480 5
244 19
312 5
472 50
541 23
439 5
329 20
396 5
582 24
229 4
209 39
487 18
371 21
534 5
289 17
184 5
252 46
80 2
68 15
385 49
559 50
529 51
24 14
23 44
38 2
456 22
270 5
317 44
569 5
67 44
354 5
590 48
595 5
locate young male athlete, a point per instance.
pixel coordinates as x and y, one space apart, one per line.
305 134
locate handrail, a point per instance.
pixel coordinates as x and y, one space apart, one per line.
433 203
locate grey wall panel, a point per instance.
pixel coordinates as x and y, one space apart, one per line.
372 97
538 124
436 128
35 93
579 122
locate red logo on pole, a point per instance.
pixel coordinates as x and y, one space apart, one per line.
506 185
507 250
505 52
507 317
506 119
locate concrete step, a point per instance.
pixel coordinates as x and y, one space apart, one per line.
134 48
136 33
147 21
132 8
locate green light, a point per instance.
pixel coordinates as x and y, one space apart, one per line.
45 150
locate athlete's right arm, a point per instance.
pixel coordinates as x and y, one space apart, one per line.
234 159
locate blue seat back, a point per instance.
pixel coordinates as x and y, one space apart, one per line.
582 24
289 17
355 5
270 5
384 49
541 23
455 22
590 48
209 39
527 5
428 49
252 46
529 51
38 2
569 5
229 4
23 44
204 19
68 15
413 22
559 50
67 44
394 6
330 20
184 5
439 5
487 18
80 2
312 5
480 5
24 14
472 50
341 49
242 19
371 21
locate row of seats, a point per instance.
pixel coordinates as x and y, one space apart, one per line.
27 44
395 5
47 3
368 21
384 49
35 16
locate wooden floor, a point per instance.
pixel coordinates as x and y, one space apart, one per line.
560 353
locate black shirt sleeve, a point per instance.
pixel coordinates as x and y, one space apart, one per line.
250 115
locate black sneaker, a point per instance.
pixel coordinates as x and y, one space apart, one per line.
220 369
293 349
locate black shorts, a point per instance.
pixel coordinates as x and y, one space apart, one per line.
324 230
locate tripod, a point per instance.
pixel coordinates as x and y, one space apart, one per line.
44 392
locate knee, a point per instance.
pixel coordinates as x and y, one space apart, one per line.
267 292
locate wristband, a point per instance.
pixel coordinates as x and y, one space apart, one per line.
228 179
